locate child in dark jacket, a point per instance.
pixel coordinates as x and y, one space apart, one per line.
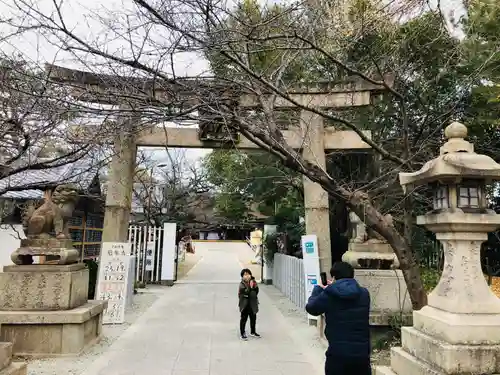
248 302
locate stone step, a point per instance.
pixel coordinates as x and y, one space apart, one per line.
403 363
5 354
15 368
449 358
383 370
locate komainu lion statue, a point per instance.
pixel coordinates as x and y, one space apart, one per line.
374 236
361 233
53 215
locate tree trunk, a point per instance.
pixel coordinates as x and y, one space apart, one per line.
408 222
360 203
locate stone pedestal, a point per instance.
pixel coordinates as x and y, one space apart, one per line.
390 302
7 367
44 310
376 270
60 249
43 287
372 254
458 332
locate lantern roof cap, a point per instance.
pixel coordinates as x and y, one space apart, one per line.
456 160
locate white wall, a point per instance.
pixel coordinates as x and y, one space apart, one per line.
213 236
9 241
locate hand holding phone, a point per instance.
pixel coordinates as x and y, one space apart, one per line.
324 280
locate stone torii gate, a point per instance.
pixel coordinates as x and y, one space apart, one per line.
311 136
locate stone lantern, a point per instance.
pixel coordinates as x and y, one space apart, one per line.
458 332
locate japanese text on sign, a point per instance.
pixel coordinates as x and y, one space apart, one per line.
116 249
113 280
150 249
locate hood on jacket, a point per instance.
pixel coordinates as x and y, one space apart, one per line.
344 288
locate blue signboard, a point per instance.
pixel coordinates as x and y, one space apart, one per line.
309 247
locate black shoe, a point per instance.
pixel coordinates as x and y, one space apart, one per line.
244 337
255 334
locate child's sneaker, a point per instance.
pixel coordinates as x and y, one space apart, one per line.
244 337
255 334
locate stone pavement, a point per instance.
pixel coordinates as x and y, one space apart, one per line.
192 329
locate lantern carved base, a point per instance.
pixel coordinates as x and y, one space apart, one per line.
421 354
458 332
424 351
471 329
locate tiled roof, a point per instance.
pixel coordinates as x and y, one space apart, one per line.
81 173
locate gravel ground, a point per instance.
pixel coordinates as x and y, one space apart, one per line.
296 318
75 365
186 266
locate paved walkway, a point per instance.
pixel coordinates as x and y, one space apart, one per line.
192 329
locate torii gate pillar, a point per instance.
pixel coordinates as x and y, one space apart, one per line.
119 188
317 213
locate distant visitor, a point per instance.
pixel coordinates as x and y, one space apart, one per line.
256 243
248 292
346 306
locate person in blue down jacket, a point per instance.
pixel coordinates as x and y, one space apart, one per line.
346 306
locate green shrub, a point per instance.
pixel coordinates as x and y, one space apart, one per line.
270 247
383 338
430 278
139 285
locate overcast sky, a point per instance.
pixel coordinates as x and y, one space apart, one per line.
80 16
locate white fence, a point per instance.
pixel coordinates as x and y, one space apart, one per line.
146 248
288 277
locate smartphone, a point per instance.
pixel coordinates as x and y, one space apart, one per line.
324 281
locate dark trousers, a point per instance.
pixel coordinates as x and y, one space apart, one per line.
245 314
347 366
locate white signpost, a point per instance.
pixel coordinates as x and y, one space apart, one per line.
168 254
310 257
113 280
